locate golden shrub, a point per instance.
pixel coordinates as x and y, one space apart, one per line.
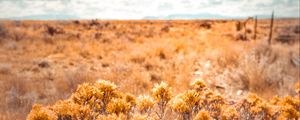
118 106
290 101
261 111
288 112
145 103
130 99
275 100
179 105
38 112
107 88
253 99
186 104
103 101
190 97
208 93
202 115
86 94
229 113
216 99
66 109
85 112
198 84
181 108
162 93
215 110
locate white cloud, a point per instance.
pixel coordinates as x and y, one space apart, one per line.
137 9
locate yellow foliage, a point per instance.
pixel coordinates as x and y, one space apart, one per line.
253 99
190 97
38 112
102 101
107 88
198 84
66 108
202 115
289 112
118 106
162 92
229 113
179 105
130 99
86 94
145 103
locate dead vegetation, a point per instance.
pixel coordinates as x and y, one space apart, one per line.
47 61
102 100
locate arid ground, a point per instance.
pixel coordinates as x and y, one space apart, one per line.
44 61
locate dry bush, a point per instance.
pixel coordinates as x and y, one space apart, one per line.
5 69
255 70
40 113
14 32
16 98
202 115
17 34
53 30
206 25
297 29
8 33
266 67
75 77
162 94
145 104
102 100
289 39
3 31
21 91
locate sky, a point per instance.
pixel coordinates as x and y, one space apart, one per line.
141 9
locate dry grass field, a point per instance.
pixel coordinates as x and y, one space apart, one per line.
43 62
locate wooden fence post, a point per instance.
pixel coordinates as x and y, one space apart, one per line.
255 25
271 28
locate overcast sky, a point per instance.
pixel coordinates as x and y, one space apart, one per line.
138 9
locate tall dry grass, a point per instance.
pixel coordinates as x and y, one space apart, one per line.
263 67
